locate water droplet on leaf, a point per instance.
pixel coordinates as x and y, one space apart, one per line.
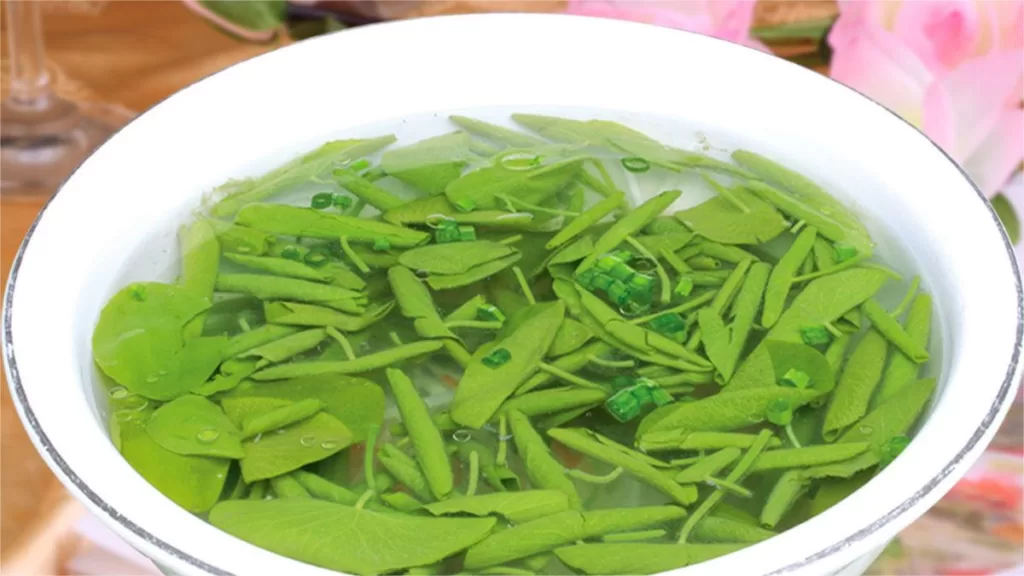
461 436
208 435
307 440
118 392
328 445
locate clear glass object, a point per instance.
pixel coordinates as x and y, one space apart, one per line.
43 137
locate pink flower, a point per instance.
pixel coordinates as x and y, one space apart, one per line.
953 68
726 19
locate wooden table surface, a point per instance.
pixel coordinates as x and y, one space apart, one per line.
135 54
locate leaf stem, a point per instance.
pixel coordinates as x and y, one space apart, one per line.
340 339
915 283
695 302
568 377
524 285
611 363
666 284
474 473
792 436
370 457
511 239
502 456
593 478
356 260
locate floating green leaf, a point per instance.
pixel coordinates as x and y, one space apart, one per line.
344 538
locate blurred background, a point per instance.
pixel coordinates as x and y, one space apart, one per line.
74 71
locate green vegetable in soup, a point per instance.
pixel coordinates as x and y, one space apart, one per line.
504 351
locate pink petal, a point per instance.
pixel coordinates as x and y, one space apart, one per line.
997 158
943 33
875 62
965 105
1004 28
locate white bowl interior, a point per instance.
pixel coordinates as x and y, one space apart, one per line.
116 219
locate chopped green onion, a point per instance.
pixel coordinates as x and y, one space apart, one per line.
322 201
795 379
815 335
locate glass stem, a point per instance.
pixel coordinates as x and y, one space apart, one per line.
30 83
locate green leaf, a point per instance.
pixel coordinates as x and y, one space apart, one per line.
639 557
724 344
299 314
430 164
722 221
555 400
902 370
476 274
635 463
516 507
826 300
357 402
770 361
482 187
806 456
1008 216
455 257
722 529
200 257
571 336
239 193
815 206
138 341
893 417
310 223
622 139
426 438
193 426
285 348
556 530
636 220
856 384
496 133
358 365
293 447
424 210
544 471
527 336
722 412
192 482
347 539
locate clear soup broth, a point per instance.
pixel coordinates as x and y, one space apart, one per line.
506 342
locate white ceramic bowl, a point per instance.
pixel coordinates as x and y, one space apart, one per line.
116 217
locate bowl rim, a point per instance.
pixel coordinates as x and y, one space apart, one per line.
72 480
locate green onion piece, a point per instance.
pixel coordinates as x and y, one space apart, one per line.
342 201
291 253
795 379
497 358
815 335
317 257
844 252
322 201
